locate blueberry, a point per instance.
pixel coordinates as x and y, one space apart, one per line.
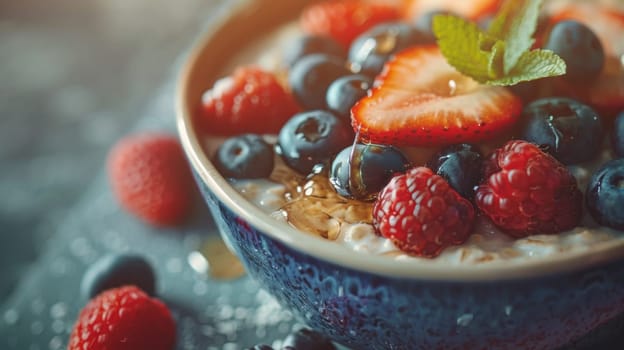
245 156
311 138
569 130
605 194
117 270
362 172
579 47
460 166
617 138
310 77
424 22
313 44
307 339
370 51
345 92
528 91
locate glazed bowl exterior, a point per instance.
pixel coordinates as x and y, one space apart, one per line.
373 302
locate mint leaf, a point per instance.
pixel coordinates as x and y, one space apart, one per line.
497 55
460 41
533 65
515 24
501 55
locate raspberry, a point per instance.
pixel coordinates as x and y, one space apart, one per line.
344 20
151 178
250 101
526 191
422 214
124 318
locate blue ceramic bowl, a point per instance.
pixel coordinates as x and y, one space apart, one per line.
373 302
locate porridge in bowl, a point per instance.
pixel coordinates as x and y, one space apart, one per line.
372 138
383 245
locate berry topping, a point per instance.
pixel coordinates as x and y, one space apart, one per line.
123 319
313 44
245 156
470 9
606 92
249 101
579 47
617 138
606 21
311 76
605 194
307 339
422 214
151 178
460 166
503 54
370 51
344 20
420 99
527 191
116 270
567 129
343 93
362 172
312 138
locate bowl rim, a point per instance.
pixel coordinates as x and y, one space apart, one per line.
338 254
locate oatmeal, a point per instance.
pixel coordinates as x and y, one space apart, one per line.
419 82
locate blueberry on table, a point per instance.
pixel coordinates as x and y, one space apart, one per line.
311 138
311 76
617 138
569 130
345 92
579 47
307 339
370 51
245 156
362 172
118 270
605 194
312 44
460 166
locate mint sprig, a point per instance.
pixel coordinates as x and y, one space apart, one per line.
501 55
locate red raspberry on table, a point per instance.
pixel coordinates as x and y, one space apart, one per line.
251 100
151 178
526 191
422 214
344 20
124 318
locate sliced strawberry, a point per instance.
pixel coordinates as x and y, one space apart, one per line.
468 9
344 20
419 99
606 93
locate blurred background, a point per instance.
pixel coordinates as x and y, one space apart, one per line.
74 76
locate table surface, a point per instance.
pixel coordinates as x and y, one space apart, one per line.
75 76
58 214
84 74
